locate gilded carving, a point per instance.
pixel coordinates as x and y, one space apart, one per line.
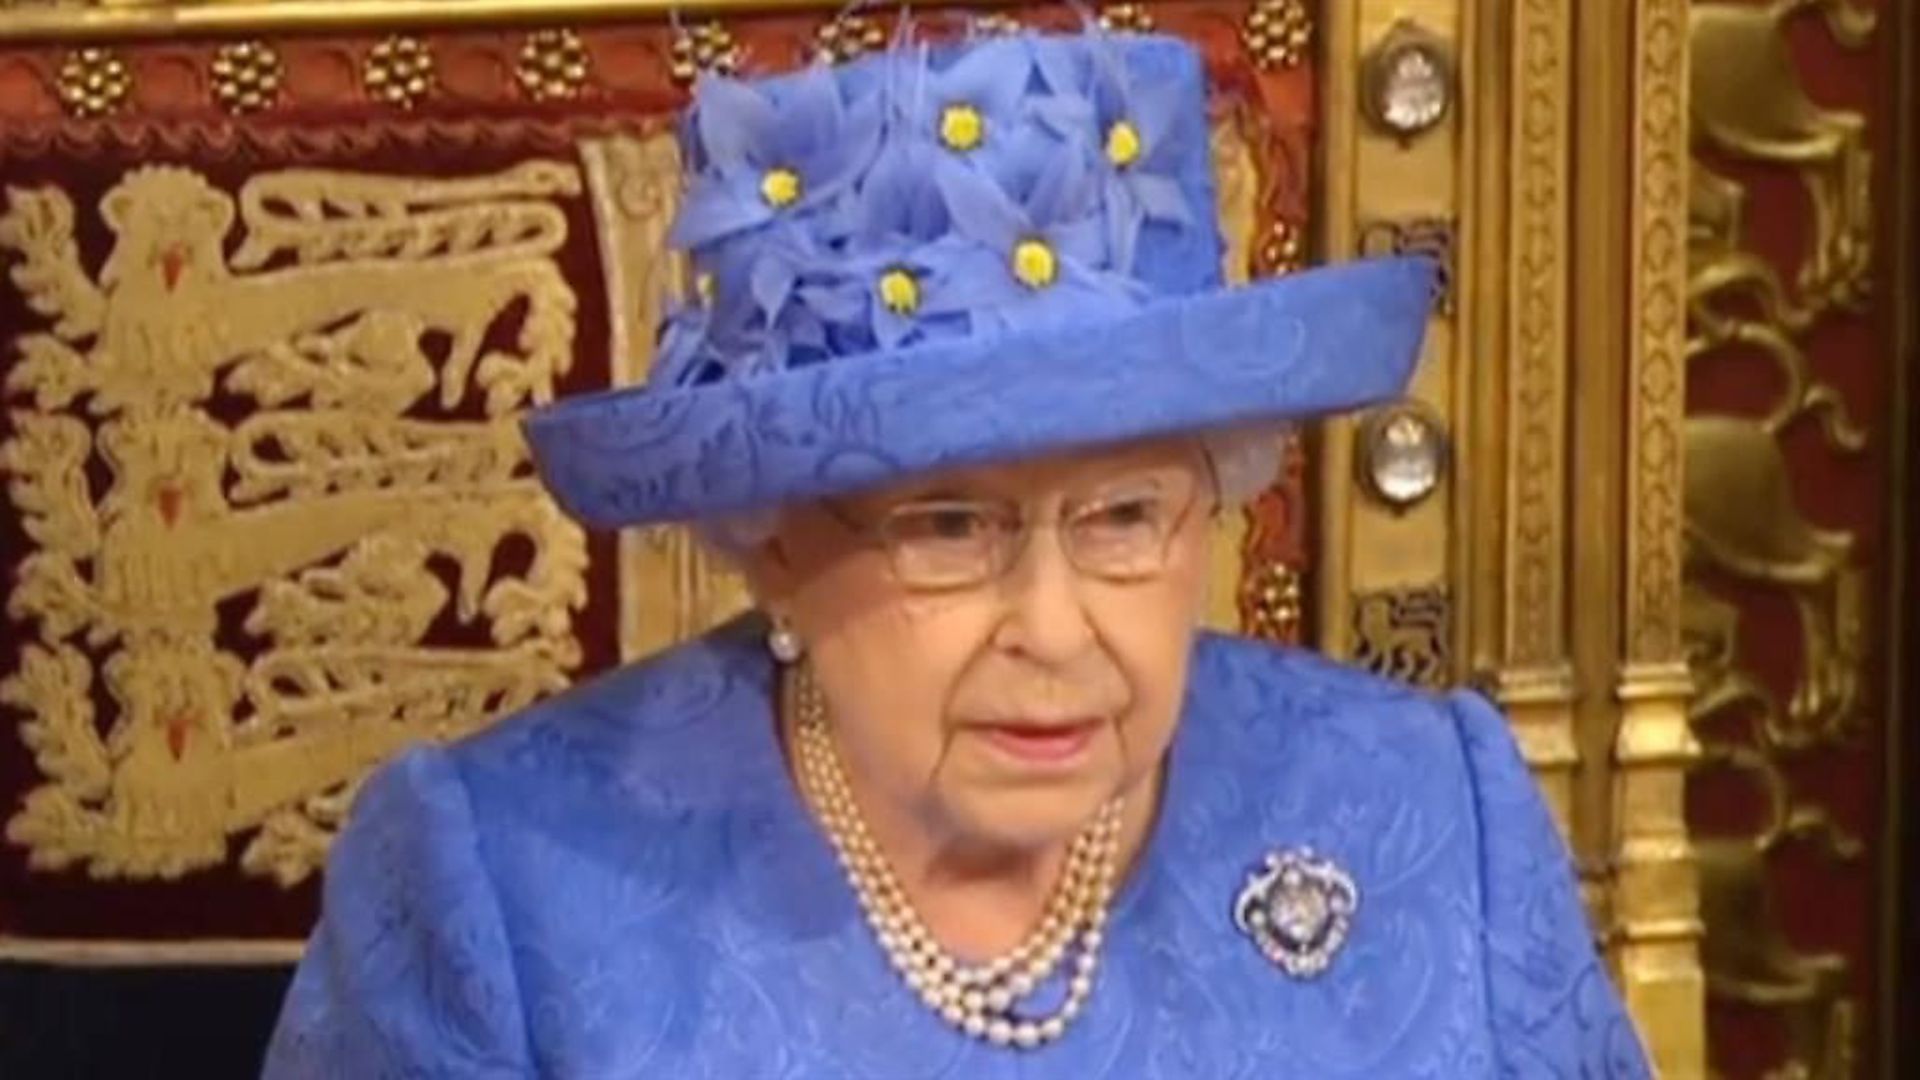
701 47
847 37
363 495
1747 101
1746 953
1277 33
1127 18
1655 898
246 76
1237 173
995 22
1537 341
1742 521
1658 297
1402 634
1272 598
399 71
1283 248
553 65
94 82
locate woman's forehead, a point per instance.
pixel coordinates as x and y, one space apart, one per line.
1036 477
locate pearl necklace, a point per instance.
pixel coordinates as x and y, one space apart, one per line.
977 1000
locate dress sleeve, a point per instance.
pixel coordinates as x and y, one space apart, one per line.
1554 1009
408 972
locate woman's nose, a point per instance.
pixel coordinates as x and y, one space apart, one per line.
1046 615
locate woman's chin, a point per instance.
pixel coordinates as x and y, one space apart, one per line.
1028 818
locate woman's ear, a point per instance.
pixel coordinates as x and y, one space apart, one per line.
767 565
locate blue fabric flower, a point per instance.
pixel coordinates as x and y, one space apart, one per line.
1037 262
972 109
683 353
1128 126
894 227
780 149
746 318
922 193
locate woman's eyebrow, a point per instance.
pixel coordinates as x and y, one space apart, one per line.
940 494
1150 477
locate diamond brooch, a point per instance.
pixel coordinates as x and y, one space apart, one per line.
1297 908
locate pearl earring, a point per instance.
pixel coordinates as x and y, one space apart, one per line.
783 643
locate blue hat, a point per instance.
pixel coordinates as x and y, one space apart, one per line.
936 257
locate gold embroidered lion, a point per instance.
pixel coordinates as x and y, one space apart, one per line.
256 484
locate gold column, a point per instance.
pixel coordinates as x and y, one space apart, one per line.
1655 900
1514 308
1371 178
1597 491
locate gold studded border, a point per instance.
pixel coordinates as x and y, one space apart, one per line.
95 19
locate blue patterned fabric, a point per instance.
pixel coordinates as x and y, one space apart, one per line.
796 373
622 882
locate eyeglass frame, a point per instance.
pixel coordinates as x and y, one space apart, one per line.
1013 544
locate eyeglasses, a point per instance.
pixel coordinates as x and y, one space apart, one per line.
1120 532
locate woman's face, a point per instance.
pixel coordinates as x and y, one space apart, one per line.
1000 704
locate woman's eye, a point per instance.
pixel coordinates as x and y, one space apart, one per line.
954 524
948 524
1125 513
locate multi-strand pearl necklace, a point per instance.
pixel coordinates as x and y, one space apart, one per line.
979 1000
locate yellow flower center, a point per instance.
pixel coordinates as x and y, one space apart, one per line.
899 291
780 187
1123 144
1034 264
703 287
962 127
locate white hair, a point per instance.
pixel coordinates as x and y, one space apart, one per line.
1244 462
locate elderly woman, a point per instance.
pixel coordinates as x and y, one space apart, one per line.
971 795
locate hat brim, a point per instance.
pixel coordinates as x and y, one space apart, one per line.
1322 341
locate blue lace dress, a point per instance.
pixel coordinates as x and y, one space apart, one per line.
622 882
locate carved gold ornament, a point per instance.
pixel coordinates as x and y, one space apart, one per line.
1282 248
703 47
399 71
1745 527
1277 33
553 65
246 76
847 37
93 82
1126 18
1273 602
996 22
1402 634
1754 107
372 340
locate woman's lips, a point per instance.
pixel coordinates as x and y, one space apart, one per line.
1042 743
